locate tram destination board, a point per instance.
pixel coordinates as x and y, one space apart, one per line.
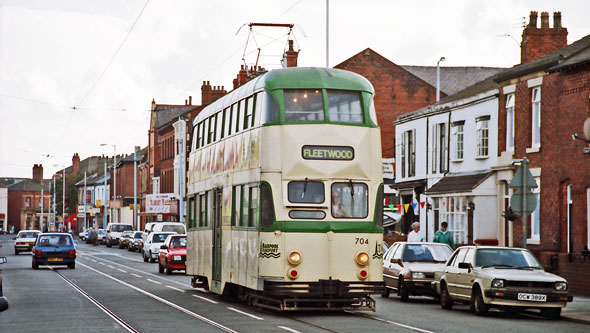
339 153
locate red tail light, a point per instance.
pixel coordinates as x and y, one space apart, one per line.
38 253
72 253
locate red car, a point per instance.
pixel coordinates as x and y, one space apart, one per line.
172 254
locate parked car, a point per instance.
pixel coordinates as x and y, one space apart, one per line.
114 231
408 268
84 234
503 277
3 232
101 235
169 227
146 232
172 254
3 301
151 247
134 240
25 239
54 249
125 238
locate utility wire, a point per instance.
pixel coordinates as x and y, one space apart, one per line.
287 10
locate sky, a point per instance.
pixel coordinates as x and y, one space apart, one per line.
75 74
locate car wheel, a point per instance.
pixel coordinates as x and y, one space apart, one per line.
152 260
72 265
35 265
160 268
108 243
478 306
402 290
145 259
168 269
385 293
120 245
551 313
445 299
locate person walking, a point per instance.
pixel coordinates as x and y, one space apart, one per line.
444 236
414 235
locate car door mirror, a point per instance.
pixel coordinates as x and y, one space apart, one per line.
163 247
464 265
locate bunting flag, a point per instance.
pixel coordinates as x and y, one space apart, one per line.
391 207
414 205
399 208
422 204
385 201
406 206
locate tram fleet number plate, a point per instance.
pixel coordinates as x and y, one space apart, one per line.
532 297
339 153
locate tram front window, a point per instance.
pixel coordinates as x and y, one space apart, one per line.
303 105
306 192
350 200
345 106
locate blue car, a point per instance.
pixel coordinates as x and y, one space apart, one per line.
54 249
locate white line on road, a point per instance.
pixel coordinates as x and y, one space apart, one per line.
288 329
139 276
190 313
122 271
152 281
174 288
109 266
245 313
391 322
205 299
102 263
93 260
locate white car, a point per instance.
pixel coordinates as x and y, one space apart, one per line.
84 234
151 247
114 231
25 239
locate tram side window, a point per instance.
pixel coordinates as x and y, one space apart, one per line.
253 208
271 108
202 131
303 105
203 210
244 206
197 132
217 134
211 128
191 212
235 216
239 109
350 200
223 120
249 113
306 192
345 106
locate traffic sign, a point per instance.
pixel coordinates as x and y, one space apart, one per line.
516 203
517 180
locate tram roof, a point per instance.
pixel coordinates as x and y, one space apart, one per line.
292 78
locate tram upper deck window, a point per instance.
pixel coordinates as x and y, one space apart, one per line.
271 108
306 192
350 200
303 105
345 106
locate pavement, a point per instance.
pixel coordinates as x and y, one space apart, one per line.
578 310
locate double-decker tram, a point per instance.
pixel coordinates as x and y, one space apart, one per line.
285 192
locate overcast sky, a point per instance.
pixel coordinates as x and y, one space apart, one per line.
53 56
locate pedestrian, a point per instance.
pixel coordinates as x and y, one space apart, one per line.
414 235
444 236
12 230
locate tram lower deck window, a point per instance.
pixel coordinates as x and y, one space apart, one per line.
350 200
303 105
306 192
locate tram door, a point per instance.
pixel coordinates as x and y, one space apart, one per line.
217 205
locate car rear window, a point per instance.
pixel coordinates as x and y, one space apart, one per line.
178 242
27 235
173 228
160 238
55 240
121 227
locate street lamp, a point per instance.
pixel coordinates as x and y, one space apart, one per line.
63 203
116 215
438 78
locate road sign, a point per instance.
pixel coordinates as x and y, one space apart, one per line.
517 180
516 203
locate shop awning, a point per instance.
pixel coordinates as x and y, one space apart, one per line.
458 183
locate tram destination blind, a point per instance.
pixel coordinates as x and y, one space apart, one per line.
339 153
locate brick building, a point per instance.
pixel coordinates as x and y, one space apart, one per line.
543 102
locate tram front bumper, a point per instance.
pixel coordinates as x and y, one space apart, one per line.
324 288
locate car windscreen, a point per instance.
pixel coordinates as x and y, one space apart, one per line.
174 228
505 258
54 240
160 238
102 232
138 235
27 235
426 253
121 227
178 242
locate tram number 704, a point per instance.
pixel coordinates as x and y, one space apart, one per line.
361 241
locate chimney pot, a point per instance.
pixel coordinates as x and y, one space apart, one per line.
190 100
544 20
557 20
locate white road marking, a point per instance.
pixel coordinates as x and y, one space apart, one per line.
160 299
152 281
93 260
245 313
102 263
120 270
288 329
391 322
205 299
174 288
109 266
139 276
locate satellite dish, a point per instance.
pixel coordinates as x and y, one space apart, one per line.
587 128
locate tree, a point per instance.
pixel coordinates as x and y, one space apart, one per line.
71 194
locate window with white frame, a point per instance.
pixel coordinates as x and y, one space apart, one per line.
458 140
408 153
536 215
403 157
510 122
156 185
536 118
439 148
482 125
453 210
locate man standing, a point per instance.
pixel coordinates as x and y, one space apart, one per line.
414 235
444 236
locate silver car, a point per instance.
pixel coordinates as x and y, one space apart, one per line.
503 277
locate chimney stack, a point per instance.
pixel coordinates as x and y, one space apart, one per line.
75 163
291 55
538 42
38 173
190 100
205 93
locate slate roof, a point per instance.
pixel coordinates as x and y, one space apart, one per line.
581 58
168 113
129 158
96 179
29 185
457 183
453 79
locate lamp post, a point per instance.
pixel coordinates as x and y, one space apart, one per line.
63 200
115 213
438 78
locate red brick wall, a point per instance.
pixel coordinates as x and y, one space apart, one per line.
538 42
16 201
396 92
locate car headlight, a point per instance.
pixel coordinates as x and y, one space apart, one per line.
418 275
498 283
561 286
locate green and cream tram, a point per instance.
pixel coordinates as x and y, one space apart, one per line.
284 192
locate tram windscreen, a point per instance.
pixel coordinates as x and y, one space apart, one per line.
345 106
303 105
306 192
350 200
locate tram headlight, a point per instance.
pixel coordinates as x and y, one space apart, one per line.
362 258
294 258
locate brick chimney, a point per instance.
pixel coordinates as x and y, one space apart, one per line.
75 163
38 173
538 42
206 93
291 55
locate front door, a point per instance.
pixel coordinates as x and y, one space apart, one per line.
217 202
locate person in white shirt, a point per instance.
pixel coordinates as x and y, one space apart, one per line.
414 235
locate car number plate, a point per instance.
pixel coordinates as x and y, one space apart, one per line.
532 297
177 258
55 259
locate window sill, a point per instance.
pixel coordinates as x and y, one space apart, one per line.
533 241
481 157
533 150
457 160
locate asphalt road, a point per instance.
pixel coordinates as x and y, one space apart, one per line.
113 290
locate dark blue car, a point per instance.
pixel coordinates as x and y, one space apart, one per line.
54 249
